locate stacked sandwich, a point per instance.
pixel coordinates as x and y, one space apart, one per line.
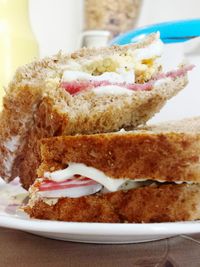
73 129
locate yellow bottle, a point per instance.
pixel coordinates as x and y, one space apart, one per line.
18 45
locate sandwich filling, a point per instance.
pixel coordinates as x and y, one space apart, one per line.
119 73
107 87
118 69
79 180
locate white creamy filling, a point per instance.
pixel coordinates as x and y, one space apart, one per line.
8 162
118 90
81 169
162 81
13 143
121 74
112 89
104 183
114 77
153 50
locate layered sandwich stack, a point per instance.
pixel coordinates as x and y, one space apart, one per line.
88 168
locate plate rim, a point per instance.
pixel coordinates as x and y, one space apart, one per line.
117 229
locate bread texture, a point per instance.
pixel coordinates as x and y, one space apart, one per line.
166 152
36 107
158 203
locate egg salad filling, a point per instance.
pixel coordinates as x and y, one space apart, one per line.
128 67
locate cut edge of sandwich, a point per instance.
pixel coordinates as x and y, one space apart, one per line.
161 162
51 69
163 152
148 204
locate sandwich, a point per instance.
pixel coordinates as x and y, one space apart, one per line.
87 92
151 174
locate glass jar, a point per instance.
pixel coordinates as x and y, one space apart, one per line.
116 16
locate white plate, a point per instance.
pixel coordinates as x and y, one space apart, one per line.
99 233
83 232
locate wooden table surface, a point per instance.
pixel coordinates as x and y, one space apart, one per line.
21 249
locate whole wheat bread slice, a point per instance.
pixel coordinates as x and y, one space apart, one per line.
35 107
163 152
157 203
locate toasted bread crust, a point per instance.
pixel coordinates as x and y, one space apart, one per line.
165 203
163 156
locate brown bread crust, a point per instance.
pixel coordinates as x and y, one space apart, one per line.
164 156
165 203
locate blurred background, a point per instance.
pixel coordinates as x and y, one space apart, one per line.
37 28
58 24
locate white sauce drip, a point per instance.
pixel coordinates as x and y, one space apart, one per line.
104 182
81 169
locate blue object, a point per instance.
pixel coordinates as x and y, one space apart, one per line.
170 32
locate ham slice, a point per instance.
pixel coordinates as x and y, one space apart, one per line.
49 185
76 87
77 186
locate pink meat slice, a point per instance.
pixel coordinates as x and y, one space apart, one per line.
48 185
75 87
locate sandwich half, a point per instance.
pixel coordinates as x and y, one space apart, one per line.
90 91
148 175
